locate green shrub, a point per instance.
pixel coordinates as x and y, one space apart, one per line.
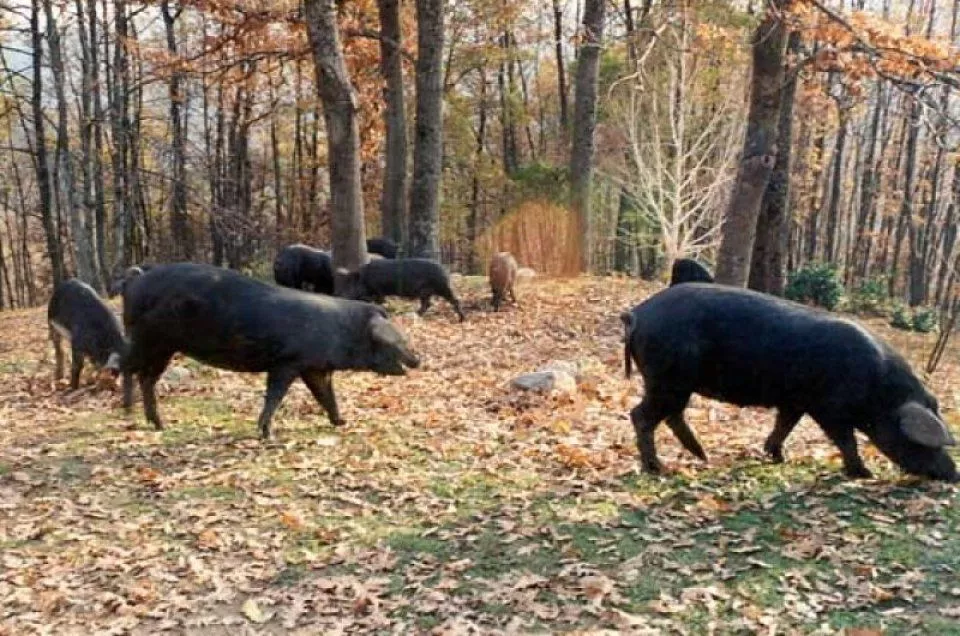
817 284
924 319
901 318
869 298
921 319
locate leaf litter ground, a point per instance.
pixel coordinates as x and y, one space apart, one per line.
451 503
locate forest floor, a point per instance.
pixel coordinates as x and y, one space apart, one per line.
451 503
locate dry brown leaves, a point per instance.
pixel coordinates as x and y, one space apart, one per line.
104 527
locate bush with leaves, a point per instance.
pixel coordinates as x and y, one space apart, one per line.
817 284
921 319
869 298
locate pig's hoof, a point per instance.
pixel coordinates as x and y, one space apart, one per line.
339 422
652 467
774 453
858 472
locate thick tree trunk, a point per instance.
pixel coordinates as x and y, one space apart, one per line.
393 202
585 123
179 222
759 150
343 138
768 263
54 246
424 237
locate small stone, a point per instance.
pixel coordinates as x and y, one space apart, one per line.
545 381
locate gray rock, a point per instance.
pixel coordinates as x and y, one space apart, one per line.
545 381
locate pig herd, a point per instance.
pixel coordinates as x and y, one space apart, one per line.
724 343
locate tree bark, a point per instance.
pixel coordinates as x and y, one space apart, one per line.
343 138
179 222
561 72
759 149
54 246
473 216
82 237
424 238
836 185
120 121
768 263
393 202
585 123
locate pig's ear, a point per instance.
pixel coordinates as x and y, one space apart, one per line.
921 425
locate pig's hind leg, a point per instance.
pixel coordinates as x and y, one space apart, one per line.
786 422
646 417
685 434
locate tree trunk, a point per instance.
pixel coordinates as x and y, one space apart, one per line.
759 150
473 217
82 238
561 72
54 246
343 138
585 122
393 202
424 236
836 184
863 238
120 121
906 227
179 222
768 263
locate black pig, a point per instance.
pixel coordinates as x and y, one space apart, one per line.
119 280
233 322
404 277
78 314
382 246
687 270
751 349
303 267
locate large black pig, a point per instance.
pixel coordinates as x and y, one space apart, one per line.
404 277
303 267
751 349
77 313
234 322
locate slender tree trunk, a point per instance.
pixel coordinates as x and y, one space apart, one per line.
99 189
179 222
867 190
120 120
393 202
424 235
87 123
343 138
836 185
54 246
584 124
759 149
768 263
906 226
86 265
473 217
561 72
